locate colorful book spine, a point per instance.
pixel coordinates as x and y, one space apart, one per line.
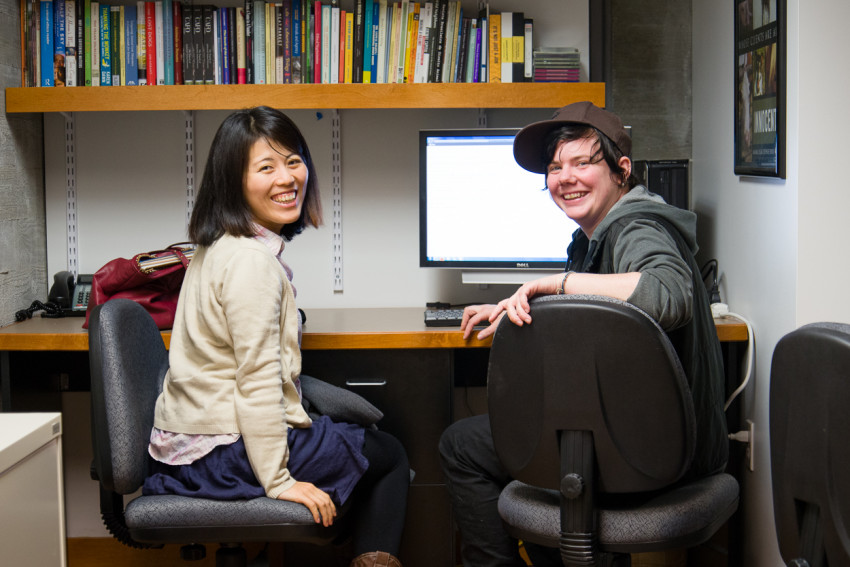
317 42
94 57
58 43
131 57
383 26
208 43
373 62
259 42
159 53
105 46
297 41
46 44
177 34
141 44
249 42
494 51
368 14
188 46
115 44
349 47
340 43
224 35
287 41
326 44
150 42
334 48
167 41
71 43
412 39
241 70
507 71
87 52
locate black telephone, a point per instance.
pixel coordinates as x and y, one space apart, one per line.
72 297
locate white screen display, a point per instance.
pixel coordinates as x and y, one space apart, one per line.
481 209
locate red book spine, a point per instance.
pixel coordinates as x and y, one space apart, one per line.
317 42
150 39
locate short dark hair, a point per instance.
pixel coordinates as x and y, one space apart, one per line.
604 148
220 206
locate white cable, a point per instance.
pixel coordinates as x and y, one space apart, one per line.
722 310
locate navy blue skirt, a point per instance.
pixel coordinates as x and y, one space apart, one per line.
327 454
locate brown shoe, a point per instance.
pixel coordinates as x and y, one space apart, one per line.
375 559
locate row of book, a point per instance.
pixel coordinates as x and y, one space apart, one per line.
165 42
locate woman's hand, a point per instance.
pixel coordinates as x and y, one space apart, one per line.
517 307
475 315
316 500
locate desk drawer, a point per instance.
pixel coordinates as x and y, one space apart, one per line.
412 388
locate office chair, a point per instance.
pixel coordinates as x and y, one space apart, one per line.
592 416
809 439
128 363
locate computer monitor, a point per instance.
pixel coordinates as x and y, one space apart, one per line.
479 211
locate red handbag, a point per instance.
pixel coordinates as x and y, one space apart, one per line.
152 279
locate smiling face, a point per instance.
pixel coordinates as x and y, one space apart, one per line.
275 184
582 184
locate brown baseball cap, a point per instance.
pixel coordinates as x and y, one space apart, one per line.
528 144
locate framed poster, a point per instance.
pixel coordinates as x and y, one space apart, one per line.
760 87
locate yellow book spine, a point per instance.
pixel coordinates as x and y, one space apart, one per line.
122 69
494 68
412 34
349 44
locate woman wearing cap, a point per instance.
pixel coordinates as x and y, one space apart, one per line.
630 245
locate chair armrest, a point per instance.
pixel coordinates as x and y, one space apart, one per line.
338 403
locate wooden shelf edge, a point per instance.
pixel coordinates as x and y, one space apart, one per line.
352 96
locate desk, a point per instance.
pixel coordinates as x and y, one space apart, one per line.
385 354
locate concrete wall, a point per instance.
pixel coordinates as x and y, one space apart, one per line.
22 236
649 75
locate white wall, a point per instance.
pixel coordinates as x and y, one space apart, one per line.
780 243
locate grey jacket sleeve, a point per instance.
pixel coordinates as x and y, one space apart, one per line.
665 288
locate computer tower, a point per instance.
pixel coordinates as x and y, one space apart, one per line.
668 178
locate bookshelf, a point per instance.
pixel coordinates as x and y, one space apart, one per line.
311 96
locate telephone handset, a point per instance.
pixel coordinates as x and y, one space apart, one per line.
72 297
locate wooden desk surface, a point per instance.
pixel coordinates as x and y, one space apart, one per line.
378 328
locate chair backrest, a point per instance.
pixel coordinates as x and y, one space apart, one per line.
128 362
591 364
809 441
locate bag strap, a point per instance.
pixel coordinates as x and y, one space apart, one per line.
149 262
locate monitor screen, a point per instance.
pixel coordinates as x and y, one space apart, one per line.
479 209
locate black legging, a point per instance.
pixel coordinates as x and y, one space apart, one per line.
379 501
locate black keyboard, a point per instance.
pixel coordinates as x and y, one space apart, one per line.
443 317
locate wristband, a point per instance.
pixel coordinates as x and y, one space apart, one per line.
563 283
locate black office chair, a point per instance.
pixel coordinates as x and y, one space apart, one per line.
809 441
592 415
128 364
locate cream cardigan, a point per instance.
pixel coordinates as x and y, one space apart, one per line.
234 355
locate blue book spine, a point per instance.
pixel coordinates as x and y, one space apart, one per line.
46 47
168 40
105 48
130 37
58 43
224 35
296 28
368 11
373 62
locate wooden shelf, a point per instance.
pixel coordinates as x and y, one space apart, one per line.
351 96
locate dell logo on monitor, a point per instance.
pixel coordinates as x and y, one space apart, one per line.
522 264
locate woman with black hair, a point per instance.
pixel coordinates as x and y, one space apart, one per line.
229 423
